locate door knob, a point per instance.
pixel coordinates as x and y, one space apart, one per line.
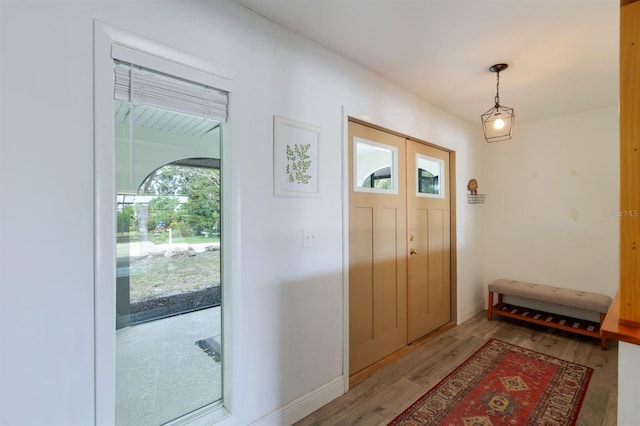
413 251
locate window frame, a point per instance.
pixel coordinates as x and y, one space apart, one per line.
114 43
394 190
441 177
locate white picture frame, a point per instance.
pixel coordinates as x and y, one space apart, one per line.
296 157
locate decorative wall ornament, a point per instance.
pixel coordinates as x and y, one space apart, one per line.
296 154
472 186
473 197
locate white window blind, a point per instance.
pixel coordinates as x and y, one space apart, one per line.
141 86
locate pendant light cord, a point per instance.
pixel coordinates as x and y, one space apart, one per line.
497 98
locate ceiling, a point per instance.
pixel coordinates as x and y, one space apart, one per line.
562 54
162 119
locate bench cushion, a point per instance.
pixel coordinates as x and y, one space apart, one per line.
560 296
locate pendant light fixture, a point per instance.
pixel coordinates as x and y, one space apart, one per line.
497 123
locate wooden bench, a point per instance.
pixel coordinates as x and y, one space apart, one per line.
582 300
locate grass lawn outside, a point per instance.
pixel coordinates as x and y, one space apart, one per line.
155 275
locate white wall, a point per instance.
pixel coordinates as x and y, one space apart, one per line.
286 301
552 202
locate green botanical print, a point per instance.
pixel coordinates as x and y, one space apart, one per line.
298 163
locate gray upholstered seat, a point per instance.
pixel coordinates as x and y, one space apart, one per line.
556 295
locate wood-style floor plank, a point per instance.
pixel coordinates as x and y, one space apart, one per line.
380 397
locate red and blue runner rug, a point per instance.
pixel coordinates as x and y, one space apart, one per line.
503 384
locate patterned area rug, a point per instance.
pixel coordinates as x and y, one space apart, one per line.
503 384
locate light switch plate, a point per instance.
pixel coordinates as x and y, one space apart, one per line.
309 238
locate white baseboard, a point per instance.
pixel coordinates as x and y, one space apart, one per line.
305 405
470 311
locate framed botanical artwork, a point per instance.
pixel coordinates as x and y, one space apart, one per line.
296 156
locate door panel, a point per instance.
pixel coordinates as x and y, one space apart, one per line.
437 268
428 224
420 262
386 270
361 278
377 246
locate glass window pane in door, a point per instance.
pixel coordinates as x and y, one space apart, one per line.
375 167
168 285
429 176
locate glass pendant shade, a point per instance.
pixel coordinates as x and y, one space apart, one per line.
497 123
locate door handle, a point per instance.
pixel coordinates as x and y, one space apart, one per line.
413 251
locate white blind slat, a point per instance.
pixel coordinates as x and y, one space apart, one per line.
160 91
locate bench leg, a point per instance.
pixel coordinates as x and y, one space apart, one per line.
490 306
603 340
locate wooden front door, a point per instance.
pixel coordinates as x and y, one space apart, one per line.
399 243
429 239
377 246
